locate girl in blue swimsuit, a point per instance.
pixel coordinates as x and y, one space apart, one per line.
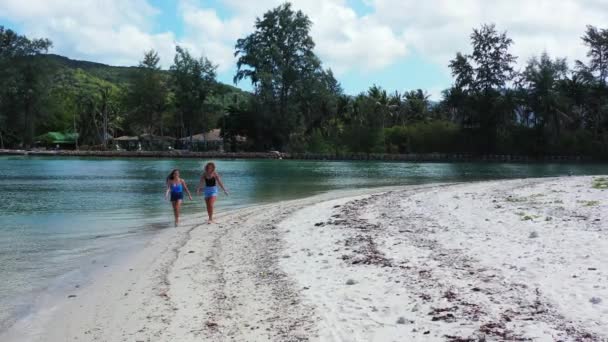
175 189
211 180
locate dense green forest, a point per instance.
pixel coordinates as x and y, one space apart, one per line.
545 108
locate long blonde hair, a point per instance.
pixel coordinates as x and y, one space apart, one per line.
210 165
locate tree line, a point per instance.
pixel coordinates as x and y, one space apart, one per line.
41 94
297 105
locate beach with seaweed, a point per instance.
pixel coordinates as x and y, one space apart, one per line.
500 260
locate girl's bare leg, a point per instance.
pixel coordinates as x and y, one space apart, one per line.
207 206
176 208
210 202
174 205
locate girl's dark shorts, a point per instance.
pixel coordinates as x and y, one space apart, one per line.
177 196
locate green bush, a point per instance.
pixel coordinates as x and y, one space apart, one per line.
577 142
519 140
425 137
317 143
297 143
362 139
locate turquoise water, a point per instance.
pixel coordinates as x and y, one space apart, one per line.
60 219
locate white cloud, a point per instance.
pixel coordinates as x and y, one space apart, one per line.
206 33
110 31
344 41
438 29
392 29
118 31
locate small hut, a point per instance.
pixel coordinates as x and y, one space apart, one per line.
209 141
151 142
127 143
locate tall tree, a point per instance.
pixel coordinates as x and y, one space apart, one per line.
13 45
318 100
99 114
492 61
541 84
22 78
365 129
417 105
148 94
278 59
193 81
596 72
383 107
596 41
483 76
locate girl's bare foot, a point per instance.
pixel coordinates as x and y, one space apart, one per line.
210 222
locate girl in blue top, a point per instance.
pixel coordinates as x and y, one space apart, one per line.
175 188
211 180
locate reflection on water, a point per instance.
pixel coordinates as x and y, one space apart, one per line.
58 214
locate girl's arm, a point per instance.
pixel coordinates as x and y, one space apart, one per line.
219 181
168 191
186 187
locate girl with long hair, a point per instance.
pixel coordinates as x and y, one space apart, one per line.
209 182
175 189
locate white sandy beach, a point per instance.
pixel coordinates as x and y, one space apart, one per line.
502 260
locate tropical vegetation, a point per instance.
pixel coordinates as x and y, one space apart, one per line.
296 104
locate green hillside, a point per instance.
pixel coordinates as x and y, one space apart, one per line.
113 74
117 75
77 88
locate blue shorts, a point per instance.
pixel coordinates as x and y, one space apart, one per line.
210 191
177 196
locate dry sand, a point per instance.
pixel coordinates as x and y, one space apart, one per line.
507 260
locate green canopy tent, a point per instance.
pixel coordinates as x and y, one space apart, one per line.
52 139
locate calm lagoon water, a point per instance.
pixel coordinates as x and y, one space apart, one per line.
60 219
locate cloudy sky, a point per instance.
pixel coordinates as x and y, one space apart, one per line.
398 44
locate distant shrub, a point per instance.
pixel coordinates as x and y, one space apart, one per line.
363 139
577 142
317 143
297 143
425 137
519 140
522 140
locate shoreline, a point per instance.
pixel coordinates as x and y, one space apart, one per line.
412 157
34 325
40 303
440 262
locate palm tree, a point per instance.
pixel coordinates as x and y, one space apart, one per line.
417 104
541 80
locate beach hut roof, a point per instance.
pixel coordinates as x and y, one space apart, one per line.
197 137
126 138
211 136
155 137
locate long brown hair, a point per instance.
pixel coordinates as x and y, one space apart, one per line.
171 176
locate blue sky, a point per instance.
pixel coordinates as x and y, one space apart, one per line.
397 44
